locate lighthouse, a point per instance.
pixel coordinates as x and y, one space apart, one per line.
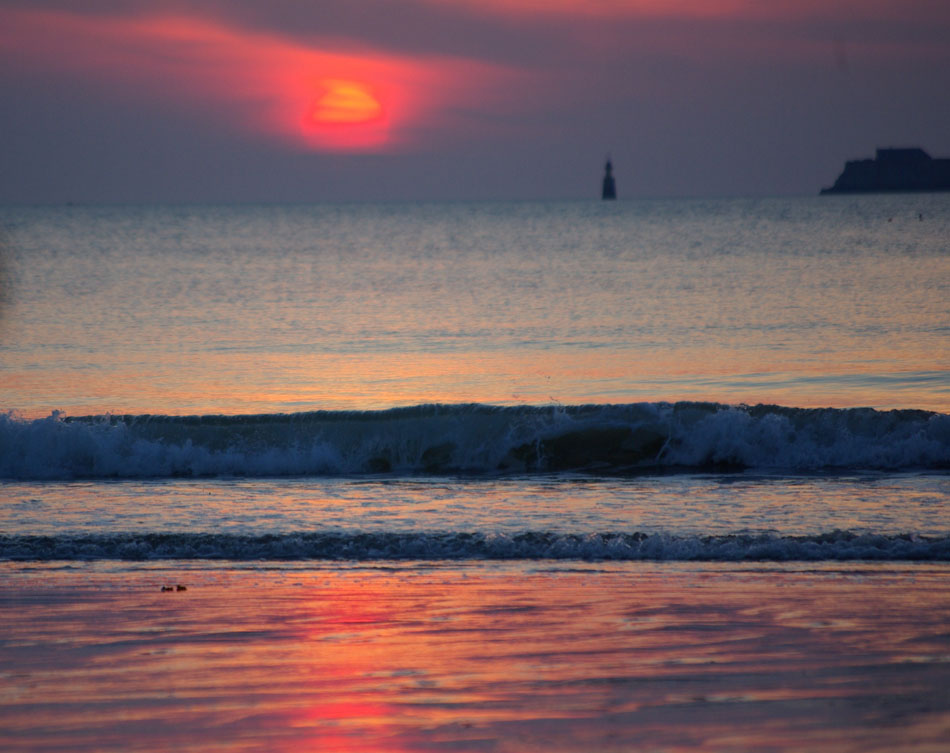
609 190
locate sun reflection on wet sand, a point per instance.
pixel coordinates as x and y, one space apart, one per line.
401 658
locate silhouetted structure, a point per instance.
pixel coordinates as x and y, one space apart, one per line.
609 189
893 170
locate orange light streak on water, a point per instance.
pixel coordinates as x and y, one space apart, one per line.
286 310
235 383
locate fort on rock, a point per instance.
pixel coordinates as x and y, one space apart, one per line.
893 170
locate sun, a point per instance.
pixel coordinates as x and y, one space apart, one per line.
346 102
346 115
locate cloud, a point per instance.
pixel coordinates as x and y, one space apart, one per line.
322 96
689 9
601 8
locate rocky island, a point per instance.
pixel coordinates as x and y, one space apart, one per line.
893 170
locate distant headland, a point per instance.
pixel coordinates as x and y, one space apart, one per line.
893 170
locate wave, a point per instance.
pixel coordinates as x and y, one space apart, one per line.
441 439
834 546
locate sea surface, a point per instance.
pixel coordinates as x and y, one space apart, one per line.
666 475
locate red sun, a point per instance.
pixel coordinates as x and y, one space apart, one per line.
347 114
346 102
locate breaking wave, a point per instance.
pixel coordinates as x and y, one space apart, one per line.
475 439
834 546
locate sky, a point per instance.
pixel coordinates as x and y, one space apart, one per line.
247 101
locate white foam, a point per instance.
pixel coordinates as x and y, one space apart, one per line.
530 545
475 439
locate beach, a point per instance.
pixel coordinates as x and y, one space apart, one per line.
665 475
421 656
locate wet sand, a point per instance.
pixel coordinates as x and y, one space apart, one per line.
474 657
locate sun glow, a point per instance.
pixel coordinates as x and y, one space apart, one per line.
307 94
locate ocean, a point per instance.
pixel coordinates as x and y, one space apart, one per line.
658 475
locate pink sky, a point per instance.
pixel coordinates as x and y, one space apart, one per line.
266 84
679 88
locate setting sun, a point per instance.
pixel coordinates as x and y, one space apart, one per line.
346 115
346 102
